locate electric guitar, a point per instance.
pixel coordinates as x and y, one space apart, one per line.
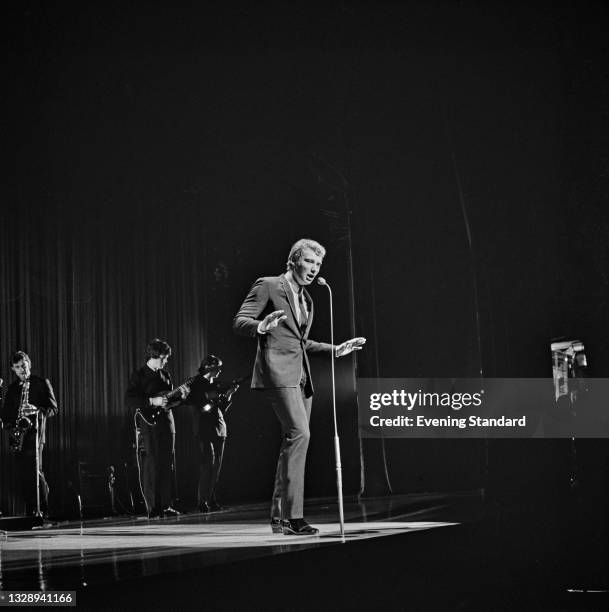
150 414
222 401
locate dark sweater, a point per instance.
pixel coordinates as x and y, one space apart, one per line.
144 384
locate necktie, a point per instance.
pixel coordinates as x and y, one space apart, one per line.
303 310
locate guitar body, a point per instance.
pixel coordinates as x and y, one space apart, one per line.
220 400
151 414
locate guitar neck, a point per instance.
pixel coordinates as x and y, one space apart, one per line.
177 390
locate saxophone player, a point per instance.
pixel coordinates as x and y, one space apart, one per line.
29 401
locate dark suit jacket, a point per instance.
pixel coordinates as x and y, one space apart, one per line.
282 352
40 395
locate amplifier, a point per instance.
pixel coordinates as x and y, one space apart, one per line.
96 489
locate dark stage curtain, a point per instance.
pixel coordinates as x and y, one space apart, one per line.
82 293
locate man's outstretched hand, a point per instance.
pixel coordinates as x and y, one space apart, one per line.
355 344
271 321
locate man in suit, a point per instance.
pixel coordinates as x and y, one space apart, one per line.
278 311
33 397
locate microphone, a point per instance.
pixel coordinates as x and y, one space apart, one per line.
321 280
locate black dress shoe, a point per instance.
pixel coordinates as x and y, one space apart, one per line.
169 512
276 526
297 527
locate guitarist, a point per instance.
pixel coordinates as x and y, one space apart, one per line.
209 401
156 451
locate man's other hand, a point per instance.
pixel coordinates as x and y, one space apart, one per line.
355 344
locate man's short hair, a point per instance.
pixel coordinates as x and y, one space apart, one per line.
156 348
299 245
211 361
18 356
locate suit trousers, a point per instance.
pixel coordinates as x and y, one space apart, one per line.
26 466
157 454
211 451
293 409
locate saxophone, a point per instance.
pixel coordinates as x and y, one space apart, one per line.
22 424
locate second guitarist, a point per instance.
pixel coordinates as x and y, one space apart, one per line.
147 390
209 402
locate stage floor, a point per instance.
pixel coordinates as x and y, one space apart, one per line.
416 552
71 556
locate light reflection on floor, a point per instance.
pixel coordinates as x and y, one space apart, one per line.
187 536
112 549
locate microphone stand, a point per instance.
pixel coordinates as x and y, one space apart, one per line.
38 426
339 475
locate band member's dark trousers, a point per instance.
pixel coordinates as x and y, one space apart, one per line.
210 463
157 465
293 409
26 468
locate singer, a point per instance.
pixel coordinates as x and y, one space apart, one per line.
278 311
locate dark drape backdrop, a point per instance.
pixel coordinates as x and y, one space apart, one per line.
84 291
82 295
